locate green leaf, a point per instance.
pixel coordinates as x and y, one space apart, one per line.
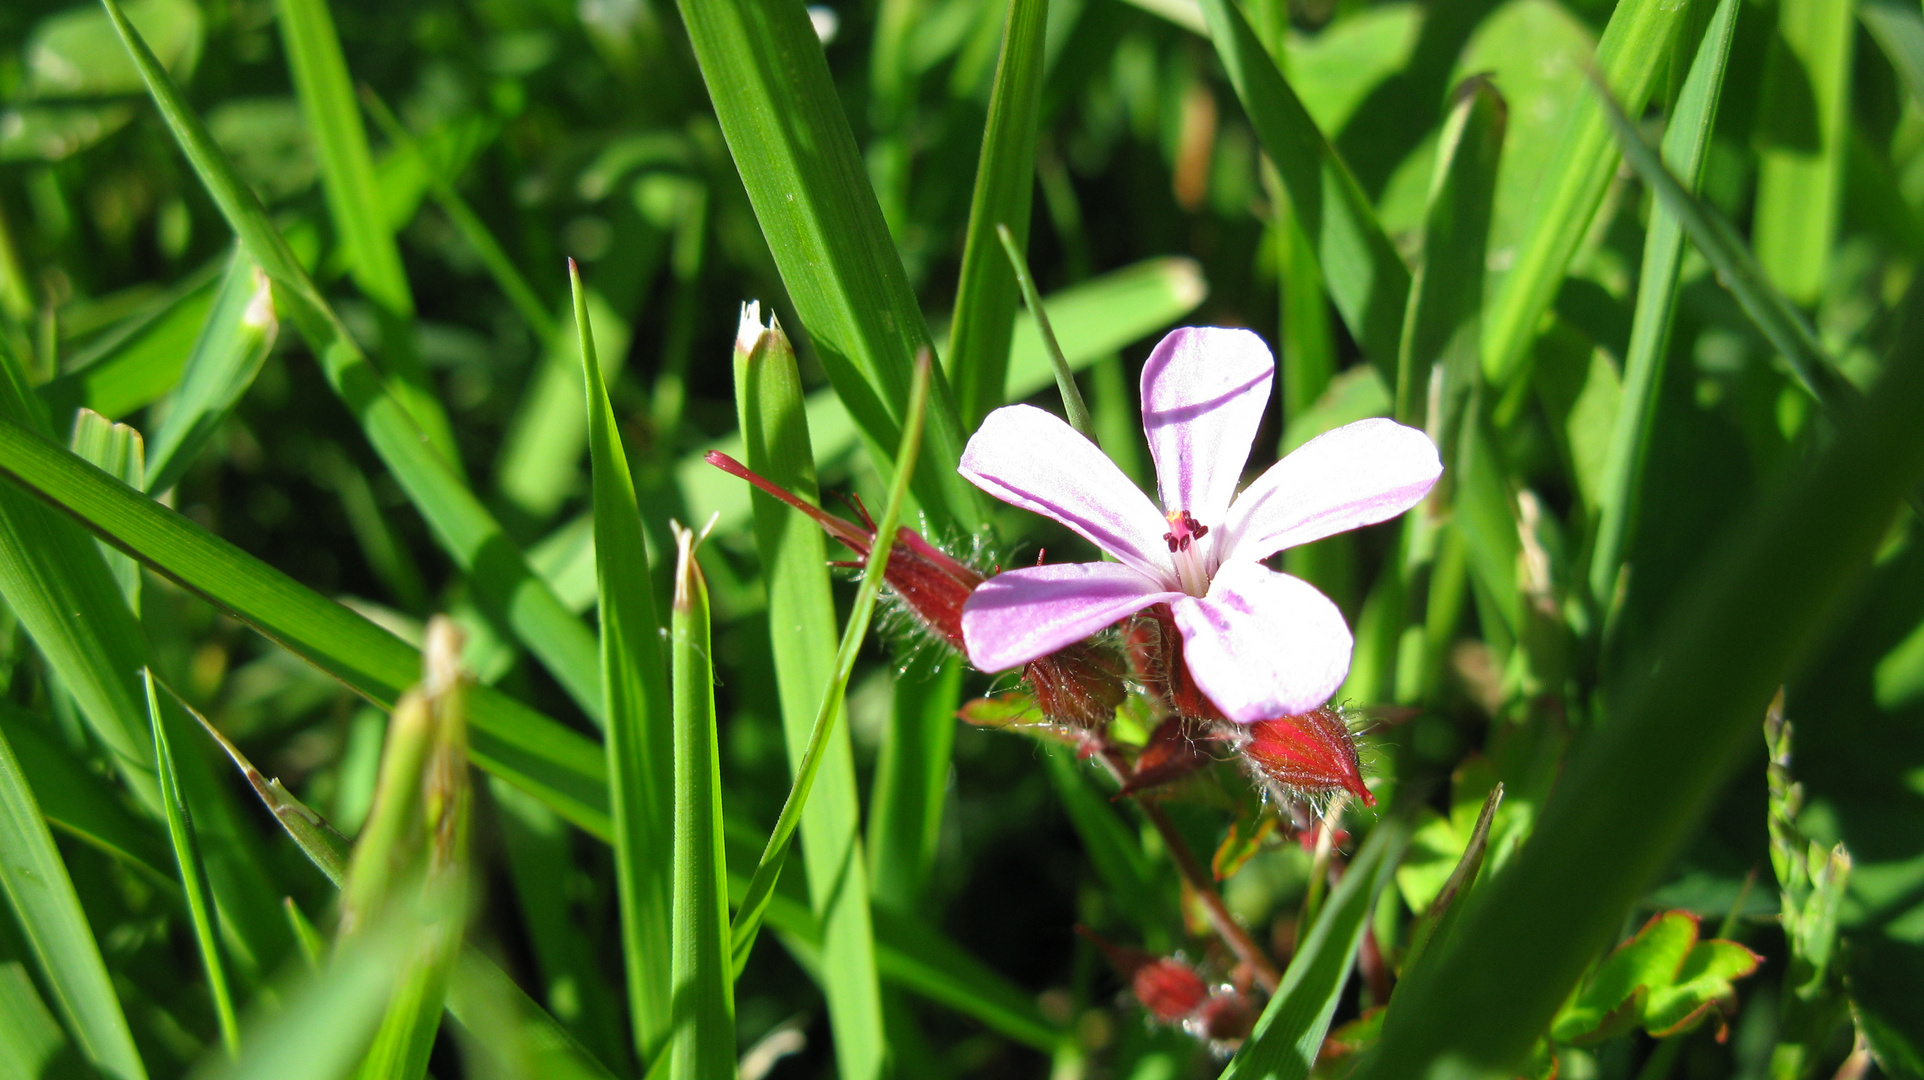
71 54
233 344
1738 270
1444 322
1804 121
509 739
639 743
1686 143
1663 979
48 912
82 802
193 873
1290 1031
1629 58
514 598
911 780
761 886
791 142
701 1038
1628 796
355 207
31 1042
1898 29
1004 180
1365 276
801 620
137 363
116 449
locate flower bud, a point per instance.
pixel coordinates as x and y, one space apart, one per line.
1226 1018
1312 754
1169 988
1079 686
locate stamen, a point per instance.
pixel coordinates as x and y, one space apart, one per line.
1184 531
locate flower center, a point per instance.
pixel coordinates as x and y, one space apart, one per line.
1184 531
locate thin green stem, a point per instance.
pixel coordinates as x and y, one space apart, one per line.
1065 378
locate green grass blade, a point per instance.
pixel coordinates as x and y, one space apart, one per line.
801 620
911 781
1738 270
1307 342
354 205
117 450
1630 57
135 365
761 886
1112 847
1444 322
1284 1043
701 1040
509 739
791 142
1365 276
1072 404
193 873
1686 143
641 755
1898 29
232 346
1004 182
82 802
31 1042
1804 113
501 582
1681 719
48 912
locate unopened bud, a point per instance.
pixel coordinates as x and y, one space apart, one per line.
1311 754
1080 685
1170 989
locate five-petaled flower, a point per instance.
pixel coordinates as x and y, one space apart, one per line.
1259 643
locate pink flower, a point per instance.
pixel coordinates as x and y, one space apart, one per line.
1259 643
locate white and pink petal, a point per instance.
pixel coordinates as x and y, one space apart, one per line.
1023 615
1204 390
1263 644
1356 475
1029 458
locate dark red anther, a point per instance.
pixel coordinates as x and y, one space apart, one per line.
1313 753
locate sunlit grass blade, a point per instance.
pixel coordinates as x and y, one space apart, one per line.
509 738
117 450
748 916
701 1039
801 620
48 913
1686 144
1443 325
1072 404
82 802
1441 916
639 742
138 363
911 781
31 1042
354 205
1681 718
1898 29
193 874
791 142
1306 342
1804 120
507 1025
1786 328
501 583
1630 57
1093 319
1004 181
232 346
1365 276
1286 1039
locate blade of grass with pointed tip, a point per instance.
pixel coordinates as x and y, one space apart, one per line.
498 575
1365 276
193 873
761 886
1284 1043
355 207
1444 322
1679 720
701 1039
232 346
510 739
1737 269
784 124
1630 57
1004 182
1686 146
1804 122
48 913
117 450
801 620
1437 920
641 755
